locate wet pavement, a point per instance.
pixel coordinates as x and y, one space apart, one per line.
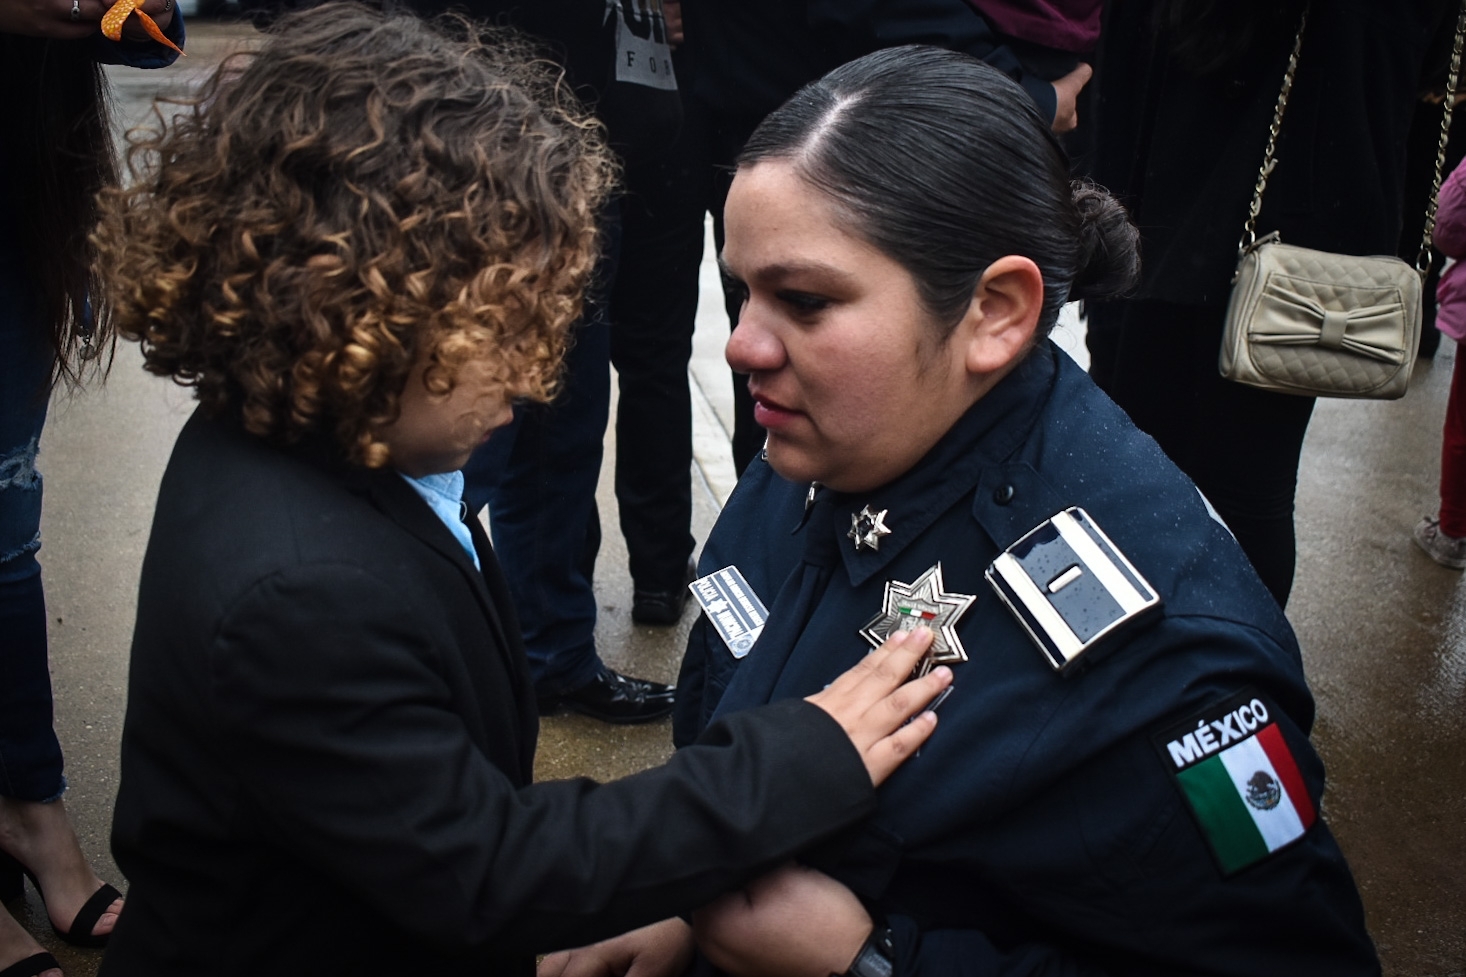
1383 629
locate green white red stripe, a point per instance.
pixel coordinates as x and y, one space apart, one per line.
917 612
1249 799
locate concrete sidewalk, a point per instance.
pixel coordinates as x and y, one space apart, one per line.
1382 627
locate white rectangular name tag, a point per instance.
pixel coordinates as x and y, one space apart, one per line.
732 607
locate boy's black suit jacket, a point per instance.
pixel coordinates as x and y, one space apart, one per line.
329 744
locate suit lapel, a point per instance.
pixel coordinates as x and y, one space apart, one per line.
396 499
391 494
493 576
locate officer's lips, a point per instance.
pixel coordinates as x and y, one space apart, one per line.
770 413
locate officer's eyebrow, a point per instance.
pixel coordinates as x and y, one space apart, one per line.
775 273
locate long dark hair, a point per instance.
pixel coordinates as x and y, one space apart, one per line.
943 163
58 155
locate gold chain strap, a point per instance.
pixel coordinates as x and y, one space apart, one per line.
1423 260
1269 159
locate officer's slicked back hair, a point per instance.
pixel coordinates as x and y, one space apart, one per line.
944 164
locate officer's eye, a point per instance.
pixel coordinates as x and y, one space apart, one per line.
804 303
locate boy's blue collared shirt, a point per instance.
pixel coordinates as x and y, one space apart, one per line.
444 495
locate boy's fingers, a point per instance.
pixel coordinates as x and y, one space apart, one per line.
886 755
916 694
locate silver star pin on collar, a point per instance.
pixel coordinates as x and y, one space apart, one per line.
867 528
922 602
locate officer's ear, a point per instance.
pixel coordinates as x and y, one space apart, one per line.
1001 321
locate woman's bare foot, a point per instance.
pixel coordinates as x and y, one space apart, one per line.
40 837
16 944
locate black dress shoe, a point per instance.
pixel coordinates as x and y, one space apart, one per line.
615 698
662 606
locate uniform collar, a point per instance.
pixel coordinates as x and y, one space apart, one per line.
988 434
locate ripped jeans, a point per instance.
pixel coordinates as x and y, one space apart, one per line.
30 756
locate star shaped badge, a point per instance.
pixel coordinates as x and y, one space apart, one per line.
922 602
867 528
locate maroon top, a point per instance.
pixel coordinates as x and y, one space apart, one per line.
1065 25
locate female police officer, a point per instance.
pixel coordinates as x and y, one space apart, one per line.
1124 782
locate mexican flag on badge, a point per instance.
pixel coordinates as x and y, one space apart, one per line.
1241 781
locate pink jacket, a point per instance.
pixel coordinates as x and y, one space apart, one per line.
1450 237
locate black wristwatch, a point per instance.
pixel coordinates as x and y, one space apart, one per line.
877 956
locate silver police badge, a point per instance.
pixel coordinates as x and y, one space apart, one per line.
867 528
922 602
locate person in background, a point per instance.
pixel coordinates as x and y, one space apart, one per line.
360 244
1443 535
55 155
1420 154
539 477
653 308
1186 92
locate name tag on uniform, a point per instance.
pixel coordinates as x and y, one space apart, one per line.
1069 586
732 607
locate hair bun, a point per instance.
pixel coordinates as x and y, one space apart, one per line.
1109 262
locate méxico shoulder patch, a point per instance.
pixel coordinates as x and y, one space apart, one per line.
1240 780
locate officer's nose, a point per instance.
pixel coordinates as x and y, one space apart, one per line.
753 348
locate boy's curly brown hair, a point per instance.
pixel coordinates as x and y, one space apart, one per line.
363 192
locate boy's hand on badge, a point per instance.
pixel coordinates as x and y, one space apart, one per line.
878 707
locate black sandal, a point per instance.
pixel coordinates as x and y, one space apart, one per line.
82 924
36 963
85 920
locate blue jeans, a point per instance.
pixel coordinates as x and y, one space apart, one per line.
30 756
538 477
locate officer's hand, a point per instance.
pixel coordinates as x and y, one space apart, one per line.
873 701
794 922
660 950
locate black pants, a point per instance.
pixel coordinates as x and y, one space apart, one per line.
1240 445
653 310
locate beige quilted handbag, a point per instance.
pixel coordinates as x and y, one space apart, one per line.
1321 324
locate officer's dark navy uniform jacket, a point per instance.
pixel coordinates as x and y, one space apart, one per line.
1042 829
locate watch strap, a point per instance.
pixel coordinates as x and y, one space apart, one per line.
877 956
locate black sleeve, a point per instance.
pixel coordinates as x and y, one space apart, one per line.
342 735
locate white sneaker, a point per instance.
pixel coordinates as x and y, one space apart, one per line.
1448 551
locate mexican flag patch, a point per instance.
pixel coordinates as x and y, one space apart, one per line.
1239 777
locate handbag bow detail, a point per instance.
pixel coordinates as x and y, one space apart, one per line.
1297 319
